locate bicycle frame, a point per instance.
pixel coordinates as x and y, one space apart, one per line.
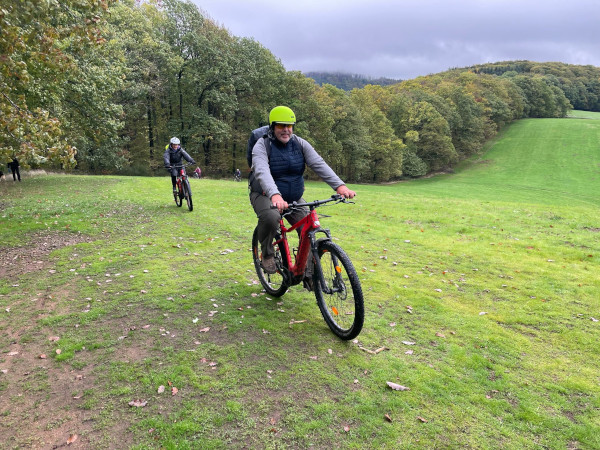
307 244
181 175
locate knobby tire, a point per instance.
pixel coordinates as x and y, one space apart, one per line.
187 192
273 284
178 197
343 307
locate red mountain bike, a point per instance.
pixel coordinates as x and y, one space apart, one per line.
333 277
183 187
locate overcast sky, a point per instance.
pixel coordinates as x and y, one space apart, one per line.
403 39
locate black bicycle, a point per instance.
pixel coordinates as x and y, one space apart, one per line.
183 189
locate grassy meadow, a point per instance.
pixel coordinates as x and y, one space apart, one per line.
126 322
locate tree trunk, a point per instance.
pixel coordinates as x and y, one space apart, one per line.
150 127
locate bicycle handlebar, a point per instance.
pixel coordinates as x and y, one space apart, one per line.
295 205
334 198
179 166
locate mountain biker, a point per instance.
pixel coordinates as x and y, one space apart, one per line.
237 174
280 176
172 157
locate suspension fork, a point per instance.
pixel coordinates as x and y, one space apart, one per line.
314 247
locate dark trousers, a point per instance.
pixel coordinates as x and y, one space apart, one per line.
15 173
268 220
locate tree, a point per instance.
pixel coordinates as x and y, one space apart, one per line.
39 44
385 152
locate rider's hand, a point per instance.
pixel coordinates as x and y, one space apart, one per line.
345 192
278 202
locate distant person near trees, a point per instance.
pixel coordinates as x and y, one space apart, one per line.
197 172
14 168
173 156
278 163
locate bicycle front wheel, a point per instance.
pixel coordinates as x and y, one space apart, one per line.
187 192
273 284
339 294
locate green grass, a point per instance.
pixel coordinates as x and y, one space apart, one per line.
498 263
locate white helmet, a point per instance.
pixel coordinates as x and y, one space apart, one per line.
175 141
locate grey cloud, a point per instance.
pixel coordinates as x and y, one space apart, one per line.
411 38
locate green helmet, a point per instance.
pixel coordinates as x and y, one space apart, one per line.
282 114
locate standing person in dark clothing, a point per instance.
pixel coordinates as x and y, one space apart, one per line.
172 157
14 168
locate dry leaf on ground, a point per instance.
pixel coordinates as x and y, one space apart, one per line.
397 387
138 403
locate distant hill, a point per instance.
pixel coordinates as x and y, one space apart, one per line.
347 81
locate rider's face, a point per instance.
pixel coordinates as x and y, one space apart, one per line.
283 132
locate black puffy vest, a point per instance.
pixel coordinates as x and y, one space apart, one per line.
287 167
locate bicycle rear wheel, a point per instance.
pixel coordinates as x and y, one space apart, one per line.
340 299
273 284
187 192
178 198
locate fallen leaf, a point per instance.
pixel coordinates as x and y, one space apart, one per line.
174 390
161 389
205 330
42 356
397 387
346 428
72 439
438 334
388 418
58 351
12 353
408 343
482 313
422 419
138 403
408 352
53 338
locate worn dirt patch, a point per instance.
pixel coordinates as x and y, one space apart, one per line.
34 255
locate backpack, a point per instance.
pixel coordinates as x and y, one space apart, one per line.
256 134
